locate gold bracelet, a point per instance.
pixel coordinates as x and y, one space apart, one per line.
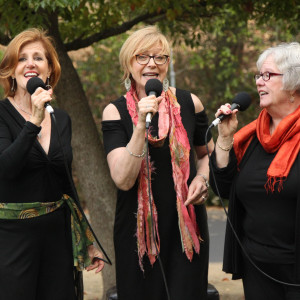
225 149
205 179
135 155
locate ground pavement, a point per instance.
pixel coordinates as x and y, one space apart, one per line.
228 289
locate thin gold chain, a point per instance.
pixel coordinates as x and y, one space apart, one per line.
26 112
39 135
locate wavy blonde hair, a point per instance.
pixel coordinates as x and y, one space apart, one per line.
138 42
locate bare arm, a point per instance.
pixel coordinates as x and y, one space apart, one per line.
198 190
125 162
225 138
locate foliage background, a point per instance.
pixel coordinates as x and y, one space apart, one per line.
215 46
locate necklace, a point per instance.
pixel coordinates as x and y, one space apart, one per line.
39 135
26 112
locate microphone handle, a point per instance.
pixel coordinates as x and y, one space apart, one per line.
149 115
49 108
222 116
148 119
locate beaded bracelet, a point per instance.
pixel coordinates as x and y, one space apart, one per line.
135 155
225 149
205 179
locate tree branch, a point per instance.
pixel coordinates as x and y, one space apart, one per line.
4 39
81 43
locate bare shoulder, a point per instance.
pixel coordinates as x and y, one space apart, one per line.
198 104
110 112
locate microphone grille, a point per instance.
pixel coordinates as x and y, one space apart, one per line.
153 85
243 99
34 83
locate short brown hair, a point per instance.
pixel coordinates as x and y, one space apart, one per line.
139 42
11 56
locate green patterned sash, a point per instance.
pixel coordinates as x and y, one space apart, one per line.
82 237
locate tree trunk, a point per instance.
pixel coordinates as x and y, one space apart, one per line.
89 161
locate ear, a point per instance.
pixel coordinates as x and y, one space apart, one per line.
292 97
49 70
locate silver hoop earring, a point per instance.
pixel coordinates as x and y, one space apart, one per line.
165 84
12 89
48 86
127 84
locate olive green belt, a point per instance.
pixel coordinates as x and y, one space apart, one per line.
81 234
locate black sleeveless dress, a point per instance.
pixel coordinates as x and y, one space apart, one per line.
185 279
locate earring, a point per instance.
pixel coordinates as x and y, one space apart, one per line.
12 89
48 86
127 84
165 84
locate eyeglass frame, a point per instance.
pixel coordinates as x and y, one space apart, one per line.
151 56
270 74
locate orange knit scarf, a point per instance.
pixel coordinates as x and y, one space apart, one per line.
285 140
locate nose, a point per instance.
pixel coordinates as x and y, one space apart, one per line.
30 63
151 62
259 81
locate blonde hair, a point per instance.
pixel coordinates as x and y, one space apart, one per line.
138 42
287 59
11 57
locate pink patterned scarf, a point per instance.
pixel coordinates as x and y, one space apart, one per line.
169 123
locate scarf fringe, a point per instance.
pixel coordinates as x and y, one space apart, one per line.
284 141
190 238
271 182
170 124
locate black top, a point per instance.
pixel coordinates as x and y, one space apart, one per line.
274 212
266 223
27 173
186 280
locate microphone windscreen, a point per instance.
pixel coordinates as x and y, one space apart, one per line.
243 99
153 85
34 83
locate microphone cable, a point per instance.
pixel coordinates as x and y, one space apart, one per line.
151 215
232 228
76 198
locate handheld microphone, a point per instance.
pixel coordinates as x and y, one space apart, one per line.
241 102
152 87
34 83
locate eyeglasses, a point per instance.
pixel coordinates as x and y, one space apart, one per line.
266 75
143 59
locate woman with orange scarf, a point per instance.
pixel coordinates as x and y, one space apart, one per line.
178 185
258 169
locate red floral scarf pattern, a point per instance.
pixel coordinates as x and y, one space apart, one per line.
169 123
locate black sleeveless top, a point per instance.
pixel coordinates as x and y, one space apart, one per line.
186 280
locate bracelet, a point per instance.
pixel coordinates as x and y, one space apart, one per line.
135 155
205 179
225 149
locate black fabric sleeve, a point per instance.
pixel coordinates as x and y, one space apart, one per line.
224 176
201 128
13 153
114 135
